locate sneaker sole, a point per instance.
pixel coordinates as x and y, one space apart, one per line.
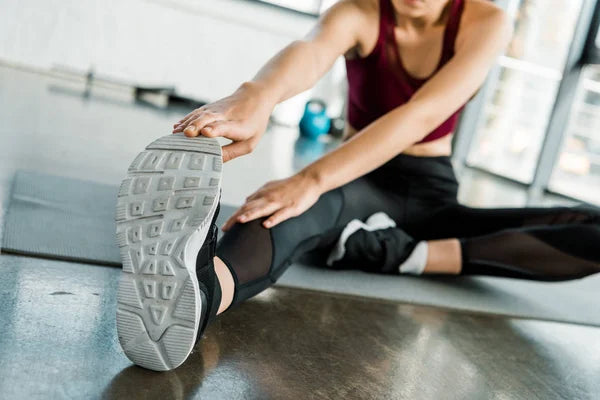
164 211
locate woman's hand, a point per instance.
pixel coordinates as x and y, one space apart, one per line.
241 117
278 200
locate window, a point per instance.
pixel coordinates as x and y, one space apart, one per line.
515 117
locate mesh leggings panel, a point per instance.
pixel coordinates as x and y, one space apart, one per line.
543 243
551 253
247 251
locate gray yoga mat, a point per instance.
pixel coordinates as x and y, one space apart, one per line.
65 218
69 219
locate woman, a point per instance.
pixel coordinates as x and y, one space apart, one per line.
384 201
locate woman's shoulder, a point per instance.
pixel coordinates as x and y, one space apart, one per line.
481 15
478 11
366 9
365 21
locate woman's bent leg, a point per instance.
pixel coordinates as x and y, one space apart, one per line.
257 257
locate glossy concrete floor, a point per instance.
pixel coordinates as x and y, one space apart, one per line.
58 340
57 332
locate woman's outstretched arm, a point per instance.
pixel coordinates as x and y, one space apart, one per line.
243 116
477 47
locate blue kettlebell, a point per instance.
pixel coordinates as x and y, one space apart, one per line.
315 121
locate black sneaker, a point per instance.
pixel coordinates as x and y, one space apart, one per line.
210 288
166 212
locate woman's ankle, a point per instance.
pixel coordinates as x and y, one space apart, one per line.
227 284
443 257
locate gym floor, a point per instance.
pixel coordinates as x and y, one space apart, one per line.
58 337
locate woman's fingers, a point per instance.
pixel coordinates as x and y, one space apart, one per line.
193 127
183 123
278 201
234 217
251 211
180 122
278 217
227 224
263 210
185 120
246 207
253 196
179 128
235 149
232 130
191 115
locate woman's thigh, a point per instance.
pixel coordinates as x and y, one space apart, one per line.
320 226
256 251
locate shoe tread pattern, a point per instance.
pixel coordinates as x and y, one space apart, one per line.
169 193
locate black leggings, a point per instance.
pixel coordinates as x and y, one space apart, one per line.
420 195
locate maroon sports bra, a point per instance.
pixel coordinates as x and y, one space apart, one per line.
378 83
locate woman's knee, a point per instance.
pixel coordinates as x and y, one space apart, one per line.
300 234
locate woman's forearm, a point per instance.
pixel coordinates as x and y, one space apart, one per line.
293 70
299 65
370 148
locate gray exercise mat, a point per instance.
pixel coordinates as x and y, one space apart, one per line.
70 219
63 218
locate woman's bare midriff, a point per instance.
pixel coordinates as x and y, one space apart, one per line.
435 148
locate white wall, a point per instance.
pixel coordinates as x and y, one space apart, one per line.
205 48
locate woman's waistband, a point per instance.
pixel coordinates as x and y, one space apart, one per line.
439 167
426 178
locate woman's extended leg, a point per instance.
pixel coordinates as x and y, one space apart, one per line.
444 256
529 243
554 252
